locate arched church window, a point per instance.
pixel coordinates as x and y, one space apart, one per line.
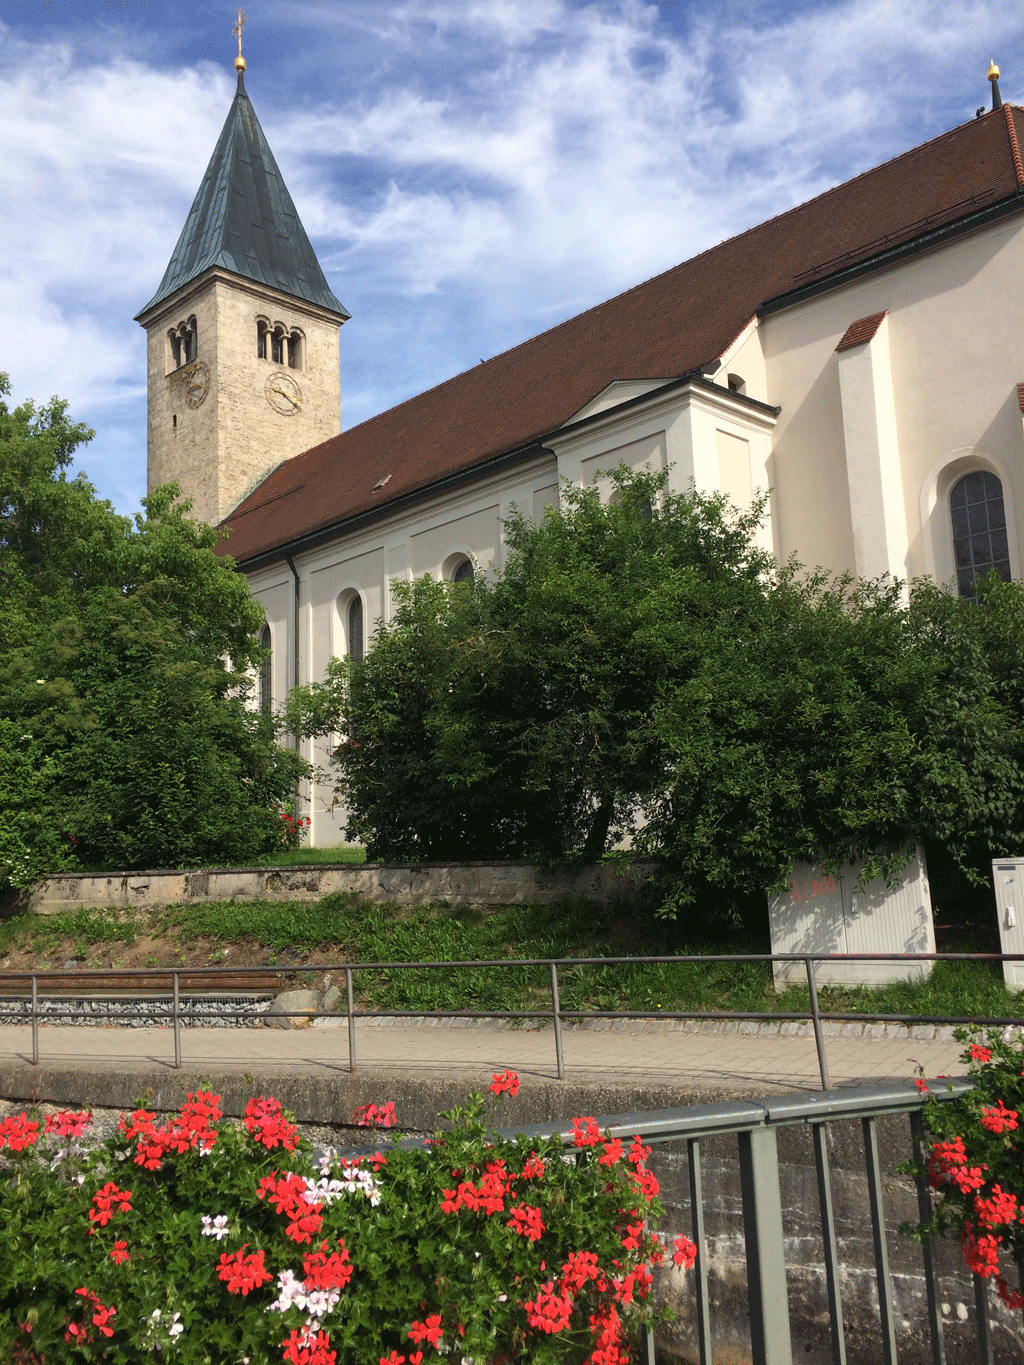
296 347
355 629
463 572
980 542
264 685
261 340
184 341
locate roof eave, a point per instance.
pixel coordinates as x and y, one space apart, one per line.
437 486
310 539
198 281
927 241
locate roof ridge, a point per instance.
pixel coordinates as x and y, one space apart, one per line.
1011 130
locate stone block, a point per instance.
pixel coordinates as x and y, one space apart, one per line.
332 999
278 1016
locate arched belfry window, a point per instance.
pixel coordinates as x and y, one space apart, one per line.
280 346
266 674
355 629
184 343
463 572
980 541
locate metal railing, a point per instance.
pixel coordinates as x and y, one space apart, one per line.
814 1014
755 1123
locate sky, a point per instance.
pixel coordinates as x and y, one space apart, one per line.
470 172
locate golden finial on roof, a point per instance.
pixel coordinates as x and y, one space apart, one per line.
992 73
237 32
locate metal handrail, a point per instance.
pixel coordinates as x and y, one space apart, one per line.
556 1013
754 1124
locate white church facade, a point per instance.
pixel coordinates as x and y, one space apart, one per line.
860 356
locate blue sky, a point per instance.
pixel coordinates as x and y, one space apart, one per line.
470 172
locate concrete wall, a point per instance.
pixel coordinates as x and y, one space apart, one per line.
805 1272
398 883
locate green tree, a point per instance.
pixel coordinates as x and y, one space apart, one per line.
124 662
641 671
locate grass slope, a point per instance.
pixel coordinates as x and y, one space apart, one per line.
340 928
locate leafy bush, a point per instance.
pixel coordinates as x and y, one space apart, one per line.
641 671
204 1241
126 647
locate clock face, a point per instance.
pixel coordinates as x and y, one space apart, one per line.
197 383
283 393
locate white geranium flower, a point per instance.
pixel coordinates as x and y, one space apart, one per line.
215 1227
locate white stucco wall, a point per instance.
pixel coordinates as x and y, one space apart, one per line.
956 350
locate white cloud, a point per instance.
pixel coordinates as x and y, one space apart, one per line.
471 171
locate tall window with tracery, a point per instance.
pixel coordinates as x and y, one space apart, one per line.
980 541
264 686
355 629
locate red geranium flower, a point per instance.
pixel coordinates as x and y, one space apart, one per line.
505 1083
242 1273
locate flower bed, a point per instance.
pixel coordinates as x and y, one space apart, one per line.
973 1164
197 1240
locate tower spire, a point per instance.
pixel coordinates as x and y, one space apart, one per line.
993 74
236 32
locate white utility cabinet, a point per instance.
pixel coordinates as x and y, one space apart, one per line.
821 913
1008 882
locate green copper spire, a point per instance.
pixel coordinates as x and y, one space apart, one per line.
243 220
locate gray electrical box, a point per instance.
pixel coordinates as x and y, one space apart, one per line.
1008 883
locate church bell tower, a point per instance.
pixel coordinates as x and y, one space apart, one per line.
243 359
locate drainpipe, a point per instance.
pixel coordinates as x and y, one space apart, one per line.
295 630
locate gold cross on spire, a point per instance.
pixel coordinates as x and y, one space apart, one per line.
237 33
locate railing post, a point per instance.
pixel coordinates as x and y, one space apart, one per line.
819 1041
886 1306
35 1021
770 1341
700 1241
177 1020
830 1247
924 1212
351 1020
556 1014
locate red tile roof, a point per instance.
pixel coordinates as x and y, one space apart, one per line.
862 330
670 325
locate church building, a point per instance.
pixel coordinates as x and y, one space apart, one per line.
860 356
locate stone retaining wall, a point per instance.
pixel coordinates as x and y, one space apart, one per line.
507 883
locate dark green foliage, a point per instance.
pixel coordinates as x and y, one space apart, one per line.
640 671
123 732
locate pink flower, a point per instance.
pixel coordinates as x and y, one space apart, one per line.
685 1252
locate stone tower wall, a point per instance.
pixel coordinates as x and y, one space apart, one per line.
220 423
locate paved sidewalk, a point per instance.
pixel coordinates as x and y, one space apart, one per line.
725 1062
